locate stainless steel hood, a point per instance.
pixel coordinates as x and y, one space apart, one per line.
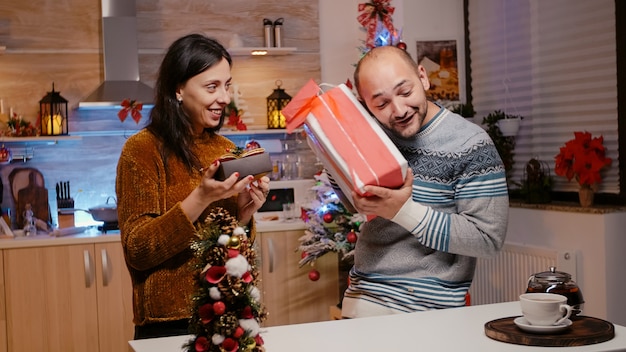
121 58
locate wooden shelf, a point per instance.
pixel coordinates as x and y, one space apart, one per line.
39 139
261 51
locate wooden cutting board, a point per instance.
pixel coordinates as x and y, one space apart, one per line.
583 331
34 195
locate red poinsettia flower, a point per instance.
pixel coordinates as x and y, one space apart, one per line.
202 344
234 117
582 158
132 106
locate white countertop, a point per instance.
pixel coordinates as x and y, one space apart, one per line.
93 235
460 329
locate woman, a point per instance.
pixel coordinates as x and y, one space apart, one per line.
165 183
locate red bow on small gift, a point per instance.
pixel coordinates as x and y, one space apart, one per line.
371 13
132 106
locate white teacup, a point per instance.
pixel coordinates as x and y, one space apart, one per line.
545 309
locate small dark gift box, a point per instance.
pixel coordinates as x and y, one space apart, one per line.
256 165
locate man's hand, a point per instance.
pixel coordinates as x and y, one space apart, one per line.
381 201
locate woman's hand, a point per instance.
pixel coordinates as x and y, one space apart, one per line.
210 190
252 198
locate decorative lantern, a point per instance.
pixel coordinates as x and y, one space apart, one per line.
275 103
53 114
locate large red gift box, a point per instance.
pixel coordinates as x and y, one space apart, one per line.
343 135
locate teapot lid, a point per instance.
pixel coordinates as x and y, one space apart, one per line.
553 276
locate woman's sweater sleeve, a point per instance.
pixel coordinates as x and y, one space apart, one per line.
152 232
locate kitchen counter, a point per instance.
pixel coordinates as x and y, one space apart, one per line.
458 329
93 235
89 235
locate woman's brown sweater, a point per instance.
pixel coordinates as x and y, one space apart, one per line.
155 232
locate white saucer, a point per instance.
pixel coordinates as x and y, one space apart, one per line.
523 324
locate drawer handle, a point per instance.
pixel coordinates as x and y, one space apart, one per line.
270 247
106 268
89 269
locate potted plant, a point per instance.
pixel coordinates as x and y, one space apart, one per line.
504 143
582 159
465 110
537 182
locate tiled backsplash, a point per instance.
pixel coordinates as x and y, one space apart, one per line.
90 163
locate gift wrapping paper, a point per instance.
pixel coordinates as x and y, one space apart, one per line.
349 142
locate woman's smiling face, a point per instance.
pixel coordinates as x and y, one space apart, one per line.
205 95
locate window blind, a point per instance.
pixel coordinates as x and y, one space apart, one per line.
554 63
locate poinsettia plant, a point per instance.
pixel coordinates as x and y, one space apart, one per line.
582 159
234 117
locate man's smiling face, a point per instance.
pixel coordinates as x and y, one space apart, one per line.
393 89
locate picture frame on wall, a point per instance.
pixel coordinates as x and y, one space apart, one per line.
440 60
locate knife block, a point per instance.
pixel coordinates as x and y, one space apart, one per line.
65 220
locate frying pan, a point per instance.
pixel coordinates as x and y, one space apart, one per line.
105 212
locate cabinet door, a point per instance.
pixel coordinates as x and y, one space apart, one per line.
3 317
115 298
288 294
51 298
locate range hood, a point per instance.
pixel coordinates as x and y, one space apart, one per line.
121 58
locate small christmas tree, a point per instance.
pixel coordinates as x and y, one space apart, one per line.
227 312
330 226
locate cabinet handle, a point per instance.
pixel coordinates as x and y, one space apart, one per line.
106 268
89 269
270 249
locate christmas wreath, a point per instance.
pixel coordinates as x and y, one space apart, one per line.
227 312
330 226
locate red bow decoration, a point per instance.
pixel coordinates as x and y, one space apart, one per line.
132 106
371 13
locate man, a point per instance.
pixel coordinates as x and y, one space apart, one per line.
420 252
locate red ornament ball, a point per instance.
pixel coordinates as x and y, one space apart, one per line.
401 45
328 218
351 237
303 255
314 275
219 308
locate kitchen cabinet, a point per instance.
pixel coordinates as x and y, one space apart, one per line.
287 293
68 298
3 317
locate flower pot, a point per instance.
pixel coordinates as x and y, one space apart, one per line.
585 196
509 127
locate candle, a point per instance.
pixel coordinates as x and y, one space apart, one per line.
3 117
53 126
10 112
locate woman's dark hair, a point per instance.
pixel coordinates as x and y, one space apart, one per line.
186 57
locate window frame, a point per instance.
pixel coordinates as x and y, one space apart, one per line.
620 37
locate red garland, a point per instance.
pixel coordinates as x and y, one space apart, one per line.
371 13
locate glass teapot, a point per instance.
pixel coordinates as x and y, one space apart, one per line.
557 282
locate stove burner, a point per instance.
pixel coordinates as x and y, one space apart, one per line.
108 226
